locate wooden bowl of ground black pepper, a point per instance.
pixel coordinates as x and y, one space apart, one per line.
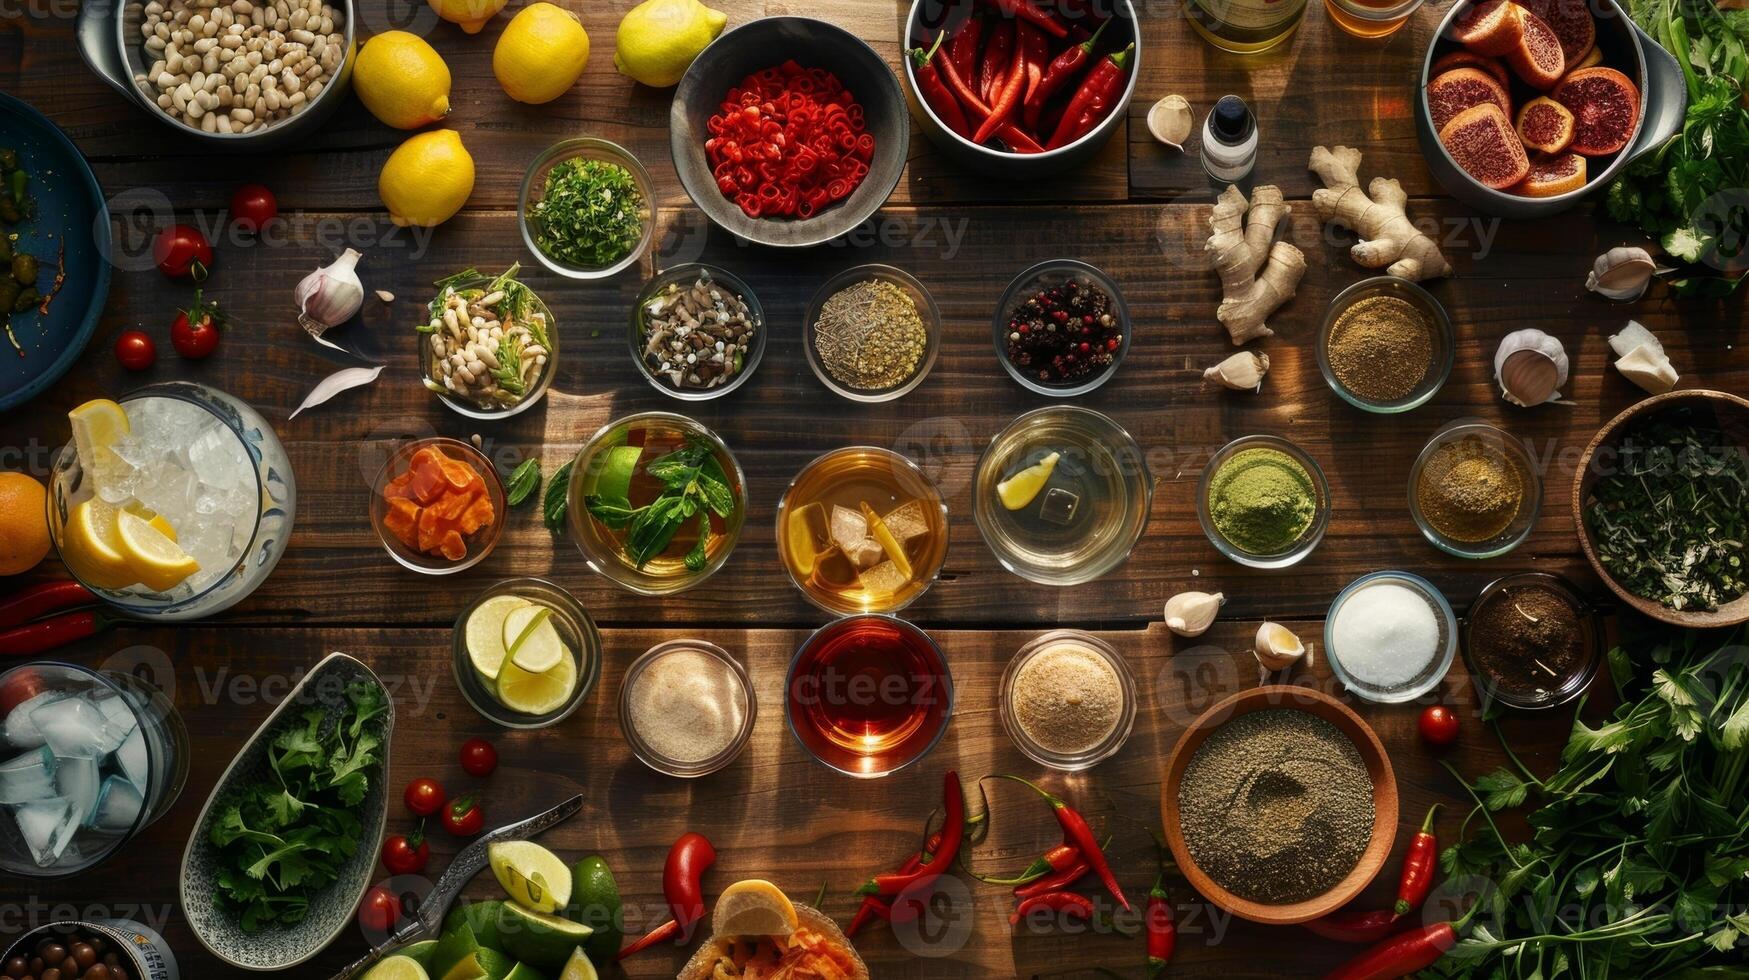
1278 782
1386 345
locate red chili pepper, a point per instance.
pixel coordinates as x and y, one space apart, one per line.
872 907
665 932
1419 864
1016 138
683 886
1024 10
1008 99
993 61
1354 926
1399 955
1062 70
905 908
963 49
1093 100
39 637
934 90
40 600
1162 931
1055 881
1072 904
1035 51
1077 832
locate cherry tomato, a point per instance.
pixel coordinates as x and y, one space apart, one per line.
406 855
424 797
195 331
182 252
379 911
479 758
1439 725
253 206
135 350
463 817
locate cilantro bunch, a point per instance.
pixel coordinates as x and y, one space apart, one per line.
283 839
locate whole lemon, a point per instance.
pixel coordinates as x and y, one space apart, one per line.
470 14
540 54
427 179
658 39
402 80
24 523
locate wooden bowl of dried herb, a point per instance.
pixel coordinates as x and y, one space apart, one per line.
1280 805
1661 504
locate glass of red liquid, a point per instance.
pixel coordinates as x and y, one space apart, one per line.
868 695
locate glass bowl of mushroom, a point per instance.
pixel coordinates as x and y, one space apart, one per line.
489 346
697 332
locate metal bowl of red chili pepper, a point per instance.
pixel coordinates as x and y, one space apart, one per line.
1018 88
794 148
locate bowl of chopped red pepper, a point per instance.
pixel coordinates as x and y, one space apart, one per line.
788 131
1019 89
1061 328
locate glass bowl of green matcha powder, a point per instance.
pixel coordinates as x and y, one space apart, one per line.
1263 502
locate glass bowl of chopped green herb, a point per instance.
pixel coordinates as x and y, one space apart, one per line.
1386 345
1263 502
697 331
587 208
872 333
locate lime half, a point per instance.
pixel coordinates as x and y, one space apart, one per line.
485 633
536 693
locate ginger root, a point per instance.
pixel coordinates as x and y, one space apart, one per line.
1388 239
1240 245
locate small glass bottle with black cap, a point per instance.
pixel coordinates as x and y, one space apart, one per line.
1229 140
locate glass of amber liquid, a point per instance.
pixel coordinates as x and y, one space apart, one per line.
1371 18
868 695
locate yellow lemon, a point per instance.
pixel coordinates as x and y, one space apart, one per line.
24 523
91 545
540 54
402 80
427 179
470 14
754 907
658 39
1019 490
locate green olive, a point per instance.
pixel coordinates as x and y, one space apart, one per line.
25 269
5 249
9 291
27 298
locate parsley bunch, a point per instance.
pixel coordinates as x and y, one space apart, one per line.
282 839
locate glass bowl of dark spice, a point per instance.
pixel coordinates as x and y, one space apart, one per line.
1386 345
1531 641
697 331
1263 502
1061 328
1474 491
872 333
587 208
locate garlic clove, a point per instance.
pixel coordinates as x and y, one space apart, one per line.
1277 647
1171 121
1243 371
1531 367
1192 613
1648 368
1621 274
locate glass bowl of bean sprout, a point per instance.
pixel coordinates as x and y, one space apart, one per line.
489 345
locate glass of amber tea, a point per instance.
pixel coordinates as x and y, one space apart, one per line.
868 695
1371 18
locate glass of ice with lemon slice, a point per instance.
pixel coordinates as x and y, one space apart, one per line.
174 503
525 653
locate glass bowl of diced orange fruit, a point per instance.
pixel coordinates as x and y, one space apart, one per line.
438 505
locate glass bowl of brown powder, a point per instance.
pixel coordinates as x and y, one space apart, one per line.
1386 345
1531 641
1474 491
686 708
872 333
1068 700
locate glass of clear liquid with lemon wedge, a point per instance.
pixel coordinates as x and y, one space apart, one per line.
173 503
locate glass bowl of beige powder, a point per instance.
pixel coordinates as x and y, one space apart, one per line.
686 708
1068 700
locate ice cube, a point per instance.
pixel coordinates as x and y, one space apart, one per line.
120 712
218 457
77 780
75 726
19 729
1059 506
47 826
132 758
118 805
28 777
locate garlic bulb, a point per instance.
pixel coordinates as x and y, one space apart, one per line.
1171 120
1243 371
1621 274
1192 613
1530 366
330 296
1277 648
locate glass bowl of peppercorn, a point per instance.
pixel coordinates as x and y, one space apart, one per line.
1386 345
872 333
1474 491
1061 328
1531 642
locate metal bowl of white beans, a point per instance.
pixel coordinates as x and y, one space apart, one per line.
227 72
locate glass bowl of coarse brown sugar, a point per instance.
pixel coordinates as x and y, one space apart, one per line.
1386 345
1068 700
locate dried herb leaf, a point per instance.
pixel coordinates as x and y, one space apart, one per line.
554 504
523 482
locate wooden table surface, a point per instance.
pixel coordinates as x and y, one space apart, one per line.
1139 212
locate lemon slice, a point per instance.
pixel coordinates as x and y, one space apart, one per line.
531 875
98 423
158 561
578 967
754 907
1019 490
536 693
485 633
91 546
533 643
397 968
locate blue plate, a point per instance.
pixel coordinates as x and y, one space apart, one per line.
67 207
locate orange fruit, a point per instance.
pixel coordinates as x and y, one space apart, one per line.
24 523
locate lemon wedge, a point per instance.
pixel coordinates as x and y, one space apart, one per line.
534 877
1019 490
98 425
536 694
578 967
91 545
533 643
754 907
153 556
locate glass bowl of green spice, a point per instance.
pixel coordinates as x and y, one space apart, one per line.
1474 491
1386 345
587 209
1263 502
872 333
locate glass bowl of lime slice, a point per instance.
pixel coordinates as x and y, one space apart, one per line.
525 653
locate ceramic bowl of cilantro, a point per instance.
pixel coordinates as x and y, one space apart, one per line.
588 208
286 844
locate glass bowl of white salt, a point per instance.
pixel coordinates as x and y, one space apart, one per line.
1068 700
1390 637
687 708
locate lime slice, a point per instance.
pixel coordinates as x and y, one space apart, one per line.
535 879
579 968
754 907
542 941
1018 490
485 633
454 947
151 554
398 968
536 647
536 694
613 479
